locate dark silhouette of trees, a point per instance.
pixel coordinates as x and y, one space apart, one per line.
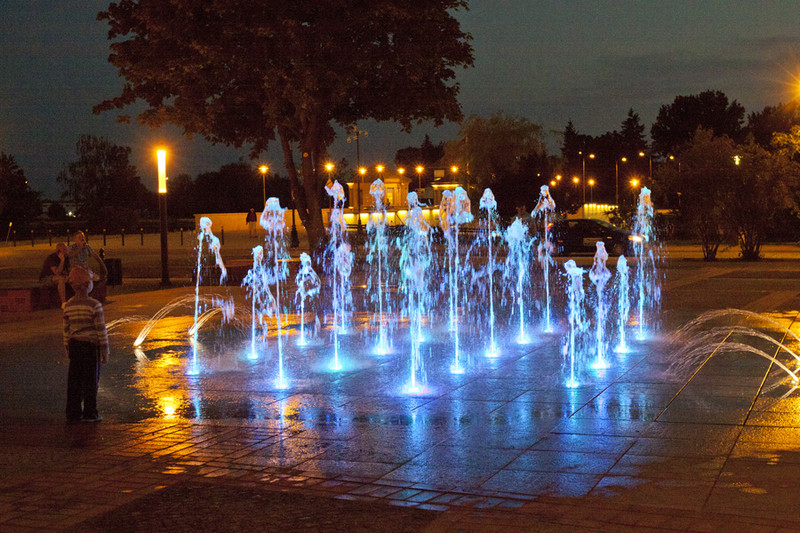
245 73
426 154
764 124
106 188
18 203
676 123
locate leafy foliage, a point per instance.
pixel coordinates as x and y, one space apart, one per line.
18 203
240 72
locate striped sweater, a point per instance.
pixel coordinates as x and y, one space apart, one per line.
84 321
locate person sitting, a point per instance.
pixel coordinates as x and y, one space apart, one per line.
54 271
80 253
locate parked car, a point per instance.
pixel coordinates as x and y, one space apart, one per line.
580 235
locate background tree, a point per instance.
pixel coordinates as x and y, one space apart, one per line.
755 193
676 123
764 124
105 187
701 181
491 149
427 155
18 203
239 72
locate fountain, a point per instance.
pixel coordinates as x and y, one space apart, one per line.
458 212
648 289
544 211
273 221
516 272
262 302
576 317
485 237
623 303
377 252
599 276
415 262
206 237
308 284
339 267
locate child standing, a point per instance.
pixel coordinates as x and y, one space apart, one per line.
86 344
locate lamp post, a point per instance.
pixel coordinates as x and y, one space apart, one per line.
264 169
634 184
161 156
650 157
583 179
616 179
419 169
361 172
356 134
591 190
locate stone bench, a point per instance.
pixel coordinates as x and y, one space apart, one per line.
35 297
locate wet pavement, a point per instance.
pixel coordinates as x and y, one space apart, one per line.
202 439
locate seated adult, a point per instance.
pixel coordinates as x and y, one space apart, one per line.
55 270
80 253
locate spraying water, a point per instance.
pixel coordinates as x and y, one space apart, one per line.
445 208
341 264
459 213
415 262
261 300
623 303
273 221
577 320
599 276
377 251
206 237
308 286
648 289
516 270
489 205
543 212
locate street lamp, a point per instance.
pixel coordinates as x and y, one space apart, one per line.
161 156
616 179
419 169
583 176
634 184
264 169
361 172
591 190
650 157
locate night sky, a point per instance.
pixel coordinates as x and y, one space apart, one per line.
549 62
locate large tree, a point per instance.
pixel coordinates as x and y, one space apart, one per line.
18 203
240 72
676 123
104 185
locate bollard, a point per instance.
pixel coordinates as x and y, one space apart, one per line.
104 236
31 238
222 236
181 236
122 231
141 234
50 237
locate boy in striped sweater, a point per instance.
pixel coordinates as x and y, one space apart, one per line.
86 344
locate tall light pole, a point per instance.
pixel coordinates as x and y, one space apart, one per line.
419 169
583 180
161 156
591 190
616 178
650 157
264 169
361 173
356 134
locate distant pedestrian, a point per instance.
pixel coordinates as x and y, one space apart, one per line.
86 345
252 220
